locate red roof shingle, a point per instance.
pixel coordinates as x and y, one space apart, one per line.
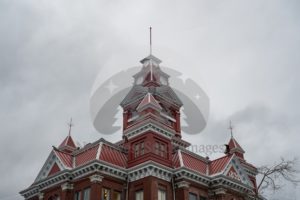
219 164
86 156
194 163
113 156
65 158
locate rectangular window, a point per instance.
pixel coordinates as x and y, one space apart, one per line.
116 195
142 148
162 195
160 149
105 194
86 194
192 196
136 150
156 148
77 195
139 149
139 195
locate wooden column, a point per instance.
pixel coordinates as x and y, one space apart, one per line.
96 186
182 191
41 196
67 191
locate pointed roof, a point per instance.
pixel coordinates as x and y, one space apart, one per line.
68 142
235 146
149 101
218 165
152 58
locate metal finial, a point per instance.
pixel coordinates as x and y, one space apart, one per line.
70 126
231 129
150 29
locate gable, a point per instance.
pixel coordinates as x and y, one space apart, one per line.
137 92
233 174
168 94
236 171
55 168
49 166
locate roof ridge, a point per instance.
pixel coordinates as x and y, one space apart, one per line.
221 157
148 99
60 160
95 143
61 151
99 150
86 148
180 158
66 141
194 154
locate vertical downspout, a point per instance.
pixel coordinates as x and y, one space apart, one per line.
127 186
173 187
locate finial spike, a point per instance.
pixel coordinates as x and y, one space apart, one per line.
231 129
150 29
70 126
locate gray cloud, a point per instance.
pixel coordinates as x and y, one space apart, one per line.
243 53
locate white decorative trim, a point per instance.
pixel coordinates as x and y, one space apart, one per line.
150 126
180 158
192 175
41 196
99 166
99 150
61 165
241 173
67 186
224 181
168 117
219 191
51 160
96 178
150 169
183 184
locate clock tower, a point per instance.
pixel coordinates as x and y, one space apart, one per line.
151 117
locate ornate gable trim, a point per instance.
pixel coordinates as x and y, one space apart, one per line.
240 173
50 162
149 125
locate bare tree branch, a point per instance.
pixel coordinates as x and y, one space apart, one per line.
283 170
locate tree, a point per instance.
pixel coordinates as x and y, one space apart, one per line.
272 175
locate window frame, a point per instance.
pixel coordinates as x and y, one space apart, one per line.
137 192
108 195
160 149
88 191
139 149
193 194
77 195
161 190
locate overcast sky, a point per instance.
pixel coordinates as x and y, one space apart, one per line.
244 54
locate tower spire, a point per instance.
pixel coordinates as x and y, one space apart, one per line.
150 29
231 128
70 124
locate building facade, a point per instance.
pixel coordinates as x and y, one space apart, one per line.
150 162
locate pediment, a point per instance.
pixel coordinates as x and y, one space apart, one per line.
136 93
236 171
50 167
168 93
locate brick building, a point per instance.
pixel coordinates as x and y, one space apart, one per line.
151 162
